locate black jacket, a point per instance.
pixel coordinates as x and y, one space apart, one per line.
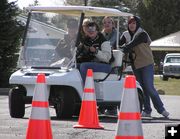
84 55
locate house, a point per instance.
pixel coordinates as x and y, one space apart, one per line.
164 45
168 43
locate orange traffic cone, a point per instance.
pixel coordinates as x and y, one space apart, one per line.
88 117
39 123
129 118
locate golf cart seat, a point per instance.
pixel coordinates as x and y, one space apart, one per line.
116 68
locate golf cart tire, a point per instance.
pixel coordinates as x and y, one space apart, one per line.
65 108
77 110
16 103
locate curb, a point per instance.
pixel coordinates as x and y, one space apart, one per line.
4 91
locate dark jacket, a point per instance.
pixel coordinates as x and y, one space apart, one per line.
138 47
102 46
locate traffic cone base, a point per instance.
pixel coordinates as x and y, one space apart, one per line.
133 125
88 120
38 129
129 137
89 126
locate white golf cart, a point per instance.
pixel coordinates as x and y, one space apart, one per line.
45 27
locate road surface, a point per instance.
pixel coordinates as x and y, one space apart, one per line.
11 128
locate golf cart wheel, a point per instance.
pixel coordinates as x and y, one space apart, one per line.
141 99
65 107
77 110
16 103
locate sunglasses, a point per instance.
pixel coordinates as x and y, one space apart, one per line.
91 29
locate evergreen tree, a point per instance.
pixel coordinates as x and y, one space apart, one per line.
10 36
160 17
121 5
74 2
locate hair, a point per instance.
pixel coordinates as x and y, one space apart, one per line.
86 21
136 19
111 19
108 17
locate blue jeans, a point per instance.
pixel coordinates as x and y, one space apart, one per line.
145 76
96 67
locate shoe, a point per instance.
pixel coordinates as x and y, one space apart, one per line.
165 113
111 112
144 114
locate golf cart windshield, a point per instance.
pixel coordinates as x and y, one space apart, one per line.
50 40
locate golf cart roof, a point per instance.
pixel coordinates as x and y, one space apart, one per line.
77 10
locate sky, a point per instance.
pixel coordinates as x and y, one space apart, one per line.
25 3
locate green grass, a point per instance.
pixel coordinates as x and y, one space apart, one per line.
170 87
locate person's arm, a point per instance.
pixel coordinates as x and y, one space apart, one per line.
141 38
122 40
104 54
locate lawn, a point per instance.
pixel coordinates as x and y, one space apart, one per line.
170 87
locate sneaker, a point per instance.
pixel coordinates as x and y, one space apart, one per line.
165 113
144 114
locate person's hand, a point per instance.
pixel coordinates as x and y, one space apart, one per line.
123 48
92 49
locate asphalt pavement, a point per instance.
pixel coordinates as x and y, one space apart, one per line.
154 127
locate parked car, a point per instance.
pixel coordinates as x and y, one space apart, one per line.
171 66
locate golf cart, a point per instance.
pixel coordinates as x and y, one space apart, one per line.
45 27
